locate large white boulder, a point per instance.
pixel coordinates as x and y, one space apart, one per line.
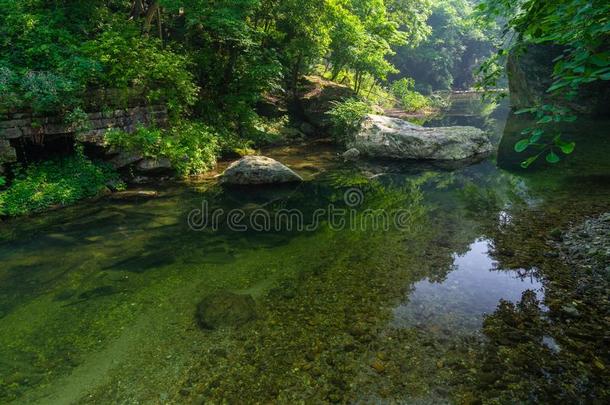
385 137
258 170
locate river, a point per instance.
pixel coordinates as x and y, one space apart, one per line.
372 282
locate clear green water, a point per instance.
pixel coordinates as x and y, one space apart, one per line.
97 301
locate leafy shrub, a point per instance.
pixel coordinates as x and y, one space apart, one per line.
346 116
191 147
8 94
129 60
440 100
46 92
410 100
55 182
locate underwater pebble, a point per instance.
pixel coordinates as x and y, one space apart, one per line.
378 366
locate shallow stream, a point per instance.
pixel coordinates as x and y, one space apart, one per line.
428 285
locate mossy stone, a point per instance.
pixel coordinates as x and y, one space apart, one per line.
225 309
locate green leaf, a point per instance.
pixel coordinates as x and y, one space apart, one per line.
566 147
552 157
579 69
545 119
557 86
527 162
536 135
525 110
600 59
522 145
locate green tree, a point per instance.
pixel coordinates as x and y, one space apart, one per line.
448 57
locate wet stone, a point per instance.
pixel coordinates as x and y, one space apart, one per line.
225 309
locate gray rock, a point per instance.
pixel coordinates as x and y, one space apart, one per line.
351 155
225 309
154 165
7 152
124 159
530 73
258 170
141 180
317 96
386 137
571 310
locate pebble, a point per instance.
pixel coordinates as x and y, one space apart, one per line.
378 366
570 310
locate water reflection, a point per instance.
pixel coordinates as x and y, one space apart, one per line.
471 290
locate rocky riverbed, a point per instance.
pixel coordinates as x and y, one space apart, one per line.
588 244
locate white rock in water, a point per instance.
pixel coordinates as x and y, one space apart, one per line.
386 137
258 170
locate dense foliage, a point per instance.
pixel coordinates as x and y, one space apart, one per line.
346 117
410 100
55 182
214 58
582 29
190 147
457 44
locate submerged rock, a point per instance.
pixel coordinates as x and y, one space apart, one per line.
225 309
385 137
258 170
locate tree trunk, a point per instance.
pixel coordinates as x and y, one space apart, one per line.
136 9
150 14
295 75
230 68
160 25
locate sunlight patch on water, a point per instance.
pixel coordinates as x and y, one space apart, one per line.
470 291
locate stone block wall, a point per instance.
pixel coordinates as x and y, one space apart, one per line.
26 126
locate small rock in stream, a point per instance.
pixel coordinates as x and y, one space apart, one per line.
225 308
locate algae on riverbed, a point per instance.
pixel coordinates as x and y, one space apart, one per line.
98 301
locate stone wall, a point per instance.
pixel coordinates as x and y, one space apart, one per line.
24 126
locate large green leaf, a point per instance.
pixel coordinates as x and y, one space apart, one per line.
552 157
566 147
527 162
522 145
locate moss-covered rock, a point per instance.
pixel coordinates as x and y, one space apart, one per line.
225 309
317 96
530 74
